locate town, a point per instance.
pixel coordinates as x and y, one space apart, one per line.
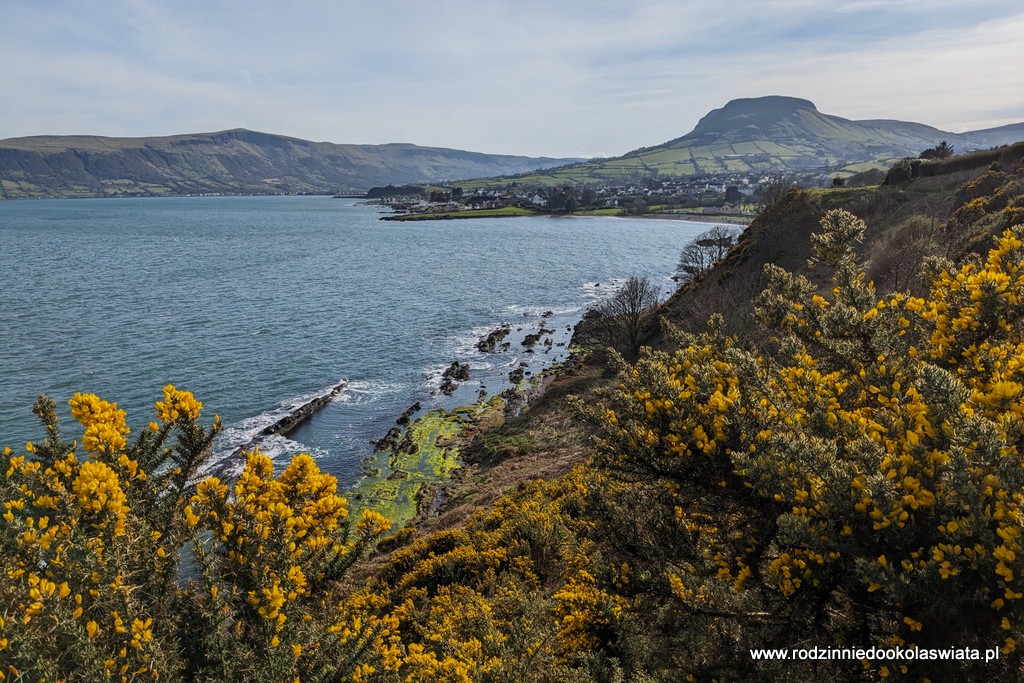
720 195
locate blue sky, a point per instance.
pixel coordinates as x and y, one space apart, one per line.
537 77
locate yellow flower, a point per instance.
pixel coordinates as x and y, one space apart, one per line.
97 490
104 423
372 524
177 404
912 623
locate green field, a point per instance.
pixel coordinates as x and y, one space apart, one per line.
505 212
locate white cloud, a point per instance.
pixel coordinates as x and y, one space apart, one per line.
530 77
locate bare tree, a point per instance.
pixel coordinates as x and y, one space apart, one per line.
706 249
773 191
621 317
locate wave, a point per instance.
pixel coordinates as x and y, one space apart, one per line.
360 391
521 311
252 432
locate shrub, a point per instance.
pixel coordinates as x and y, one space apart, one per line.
868 466
95 552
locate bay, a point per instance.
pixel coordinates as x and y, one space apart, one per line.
253 303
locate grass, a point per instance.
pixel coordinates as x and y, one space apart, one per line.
599 212
683 158
504 212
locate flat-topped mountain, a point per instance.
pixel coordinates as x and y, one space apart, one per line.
230 162
777 133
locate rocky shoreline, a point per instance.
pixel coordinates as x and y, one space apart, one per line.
408 475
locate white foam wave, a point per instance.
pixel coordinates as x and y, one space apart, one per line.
432 375
538 311
466 344
280 448
246 432
359 391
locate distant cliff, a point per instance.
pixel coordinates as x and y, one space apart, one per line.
230 162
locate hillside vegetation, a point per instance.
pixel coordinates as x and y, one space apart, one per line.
772 134
824 454
229 162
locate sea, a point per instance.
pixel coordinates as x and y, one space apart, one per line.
257 304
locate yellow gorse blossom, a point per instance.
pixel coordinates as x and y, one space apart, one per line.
177 404
97 490
104 423
92 548
879 417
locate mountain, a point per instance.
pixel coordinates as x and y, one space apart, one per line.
774 134
230 162
993 137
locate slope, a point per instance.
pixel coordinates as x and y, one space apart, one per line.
774 134
229 162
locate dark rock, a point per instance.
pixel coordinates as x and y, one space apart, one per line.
487 343
390 440
297 416
405 417
456 372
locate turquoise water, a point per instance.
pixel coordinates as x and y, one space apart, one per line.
255 302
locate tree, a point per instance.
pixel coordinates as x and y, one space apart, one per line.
622 317
773 191
637 207
563 199
943 150
706 249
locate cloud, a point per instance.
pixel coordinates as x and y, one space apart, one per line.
530 77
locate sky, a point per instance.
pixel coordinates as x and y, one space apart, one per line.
563 78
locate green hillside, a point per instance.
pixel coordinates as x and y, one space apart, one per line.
770 134
229 162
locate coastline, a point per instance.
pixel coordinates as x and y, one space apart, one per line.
408 479
695 218
731 219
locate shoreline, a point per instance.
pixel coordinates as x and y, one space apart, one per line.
730 219
407 481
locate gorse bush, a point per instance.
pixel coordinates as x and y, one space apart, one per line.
869 471
854 480
92 554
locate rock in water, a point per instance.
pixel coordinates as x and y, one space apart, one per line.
456 372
